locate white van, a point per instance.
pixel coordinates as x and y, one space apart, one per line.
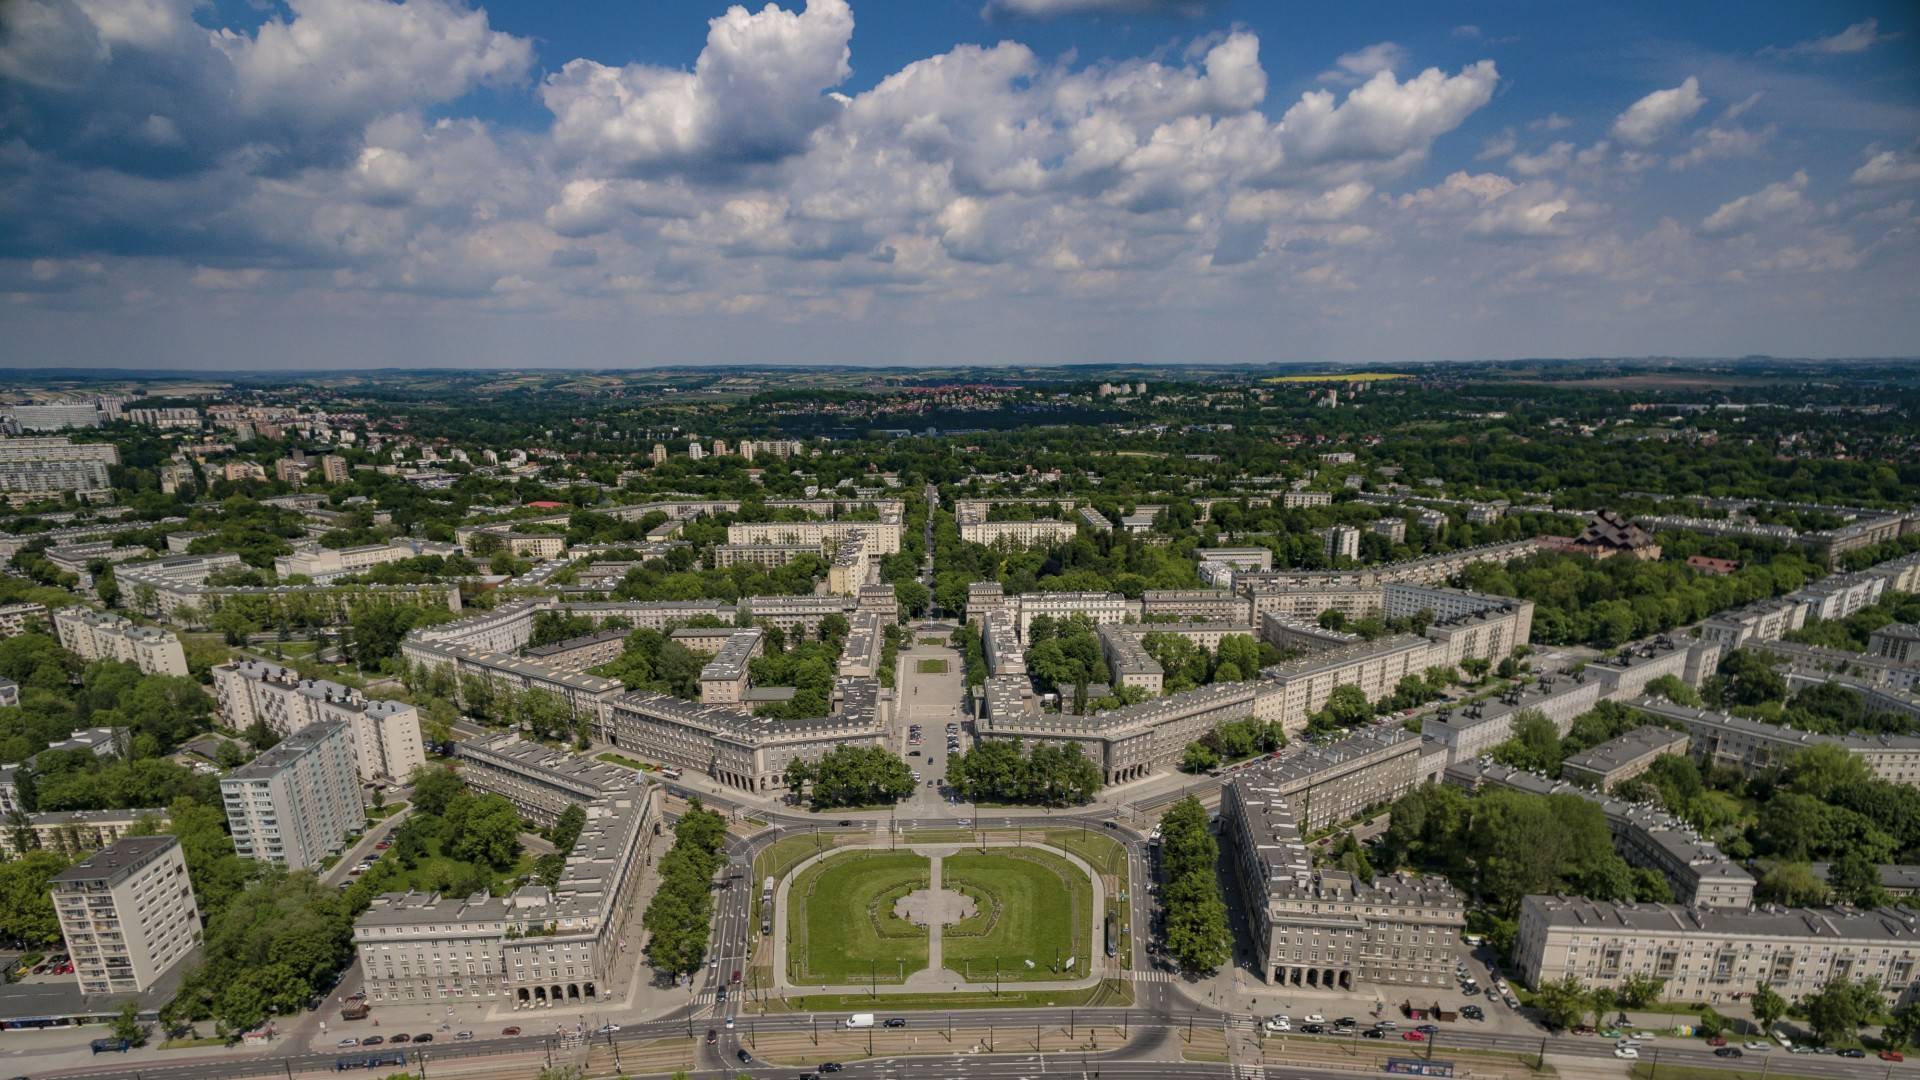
860 1020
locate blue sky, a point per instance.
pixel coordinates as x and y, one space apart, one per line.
342 183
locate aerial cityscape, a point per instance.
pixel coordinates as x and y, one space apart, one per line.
1174 539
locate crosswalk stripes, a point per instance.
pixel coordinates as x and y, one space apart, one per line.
1150 976
1249 1072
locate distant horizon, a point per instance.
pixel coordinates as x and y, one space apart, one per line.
695 368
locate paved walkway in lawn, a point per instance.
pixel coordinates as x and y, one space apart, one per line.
934 978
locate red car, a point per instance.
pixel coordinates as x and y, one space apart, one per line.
1892 1055
510 1031
1717 1041
1413 1036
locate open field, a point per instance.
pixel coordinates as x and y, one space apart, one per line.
840 922
1031 906
1345 377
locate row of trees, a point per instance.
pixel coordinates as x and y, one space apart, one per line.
681 911
1000 770
1197 936
851 776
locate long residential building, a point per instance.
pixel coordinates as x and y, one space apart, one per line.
176 589
1041 531
39 469
98 635
738 748
74 831
324 564
880 537
535 946
1326 929
295 804
1713 955
1755 745
1130 742
385 733
540 783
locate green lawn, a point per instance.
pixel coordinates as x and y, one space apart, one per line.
621 759
840 922
1109 857
781 856
933 641
1032 905
931 667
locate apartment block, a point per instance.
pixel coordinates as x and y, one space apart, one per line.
14 618
96 635
35 469
295 804
1713 955
385 733
1623 758
1326 929
127 914
540 783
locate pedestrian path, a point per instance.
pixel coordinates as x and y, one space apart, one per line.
1249 1072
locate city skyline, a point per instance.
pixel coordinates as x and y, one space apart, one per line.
332 184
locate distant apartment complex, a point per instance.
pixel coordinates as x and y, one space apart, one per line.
95 635
37 469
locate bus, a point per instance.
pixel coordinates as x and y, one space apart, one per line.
381 1060
668 772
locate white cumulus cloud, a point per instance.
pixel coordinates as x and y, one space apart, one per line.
1648 120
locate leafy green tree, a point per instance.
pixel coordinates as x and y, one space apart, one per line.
26 904
566 831
483 829
1639 991
1563 1003
127 1026
1767 1006
1197 933
1535 744
434 788
1838 1010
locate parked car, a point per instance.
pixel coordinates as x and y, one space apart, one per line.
1717 1040
509 1031
423 1038
463 1036
1853 1052
1756 1046
400 1038
348 1042
1315 1018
